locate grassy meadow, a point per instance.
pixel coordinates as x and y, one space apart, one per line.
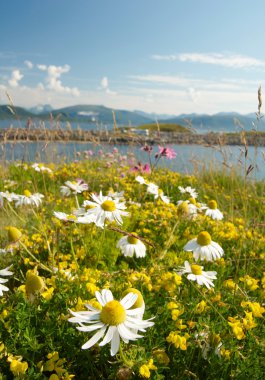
192 311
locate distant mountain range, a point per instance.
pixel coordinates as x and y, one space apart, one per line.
96 114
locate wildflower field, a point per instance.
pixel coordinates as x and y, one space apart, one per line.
115 272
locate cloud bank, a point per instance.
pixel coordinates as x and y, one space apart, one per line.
226 60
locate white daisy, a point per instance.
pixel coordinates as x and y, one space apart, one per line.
84 219
116 194
139 304
39 167
130 245
105 207
187 208
116 319
204 248
10 197
4 272
158 193
74 187
29 199
188 190
195 273
152 188
212 211
141 180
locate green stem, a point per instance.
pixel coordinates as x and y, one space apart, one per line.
73 252
15 213
208 301
35 258
125 360
76 200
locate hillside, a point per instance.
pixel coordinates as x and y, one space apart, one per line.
222 121
97 114
10 112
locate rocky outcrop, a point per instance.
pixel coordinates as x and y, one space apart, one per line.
125 137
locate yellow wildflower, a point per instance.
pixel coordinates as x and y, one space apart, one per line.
226 354
248 321
250 282
201 307
178 340
255 307
145 369
230 284
237 328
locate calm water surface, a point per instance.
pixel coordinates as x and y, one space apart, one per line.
189 157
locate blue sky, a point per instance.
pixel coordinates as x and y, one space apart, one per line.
163 56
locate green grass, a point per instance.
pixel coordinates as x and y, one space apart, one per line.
34 328
165 128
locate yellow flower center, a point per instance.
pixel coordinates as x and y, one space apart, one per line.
192 201
108 206
139 301
27 193
113 313
212 204
132 239
204 238
183 208
196 269
71 217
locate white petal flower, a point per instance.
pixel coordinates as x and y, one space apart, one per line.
115 320
214 214
75 187
65 191
39 167
141 180
152 188
116 195
187 209
105 208
204 248
195 273
188 190
4 272
130 245
29 199
10 197
158 193
212 211
84 219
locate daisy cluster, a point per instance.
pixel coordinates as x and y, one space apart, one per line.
109 274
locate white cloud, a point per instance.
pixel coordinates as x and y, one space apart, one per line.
188 82
194 94
221 59
53 79
16 76
104 85
29 64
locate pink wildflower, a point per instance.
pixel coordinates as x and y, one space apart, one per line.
166 152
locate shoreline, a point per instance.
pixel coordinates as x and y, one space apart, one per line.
121 137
